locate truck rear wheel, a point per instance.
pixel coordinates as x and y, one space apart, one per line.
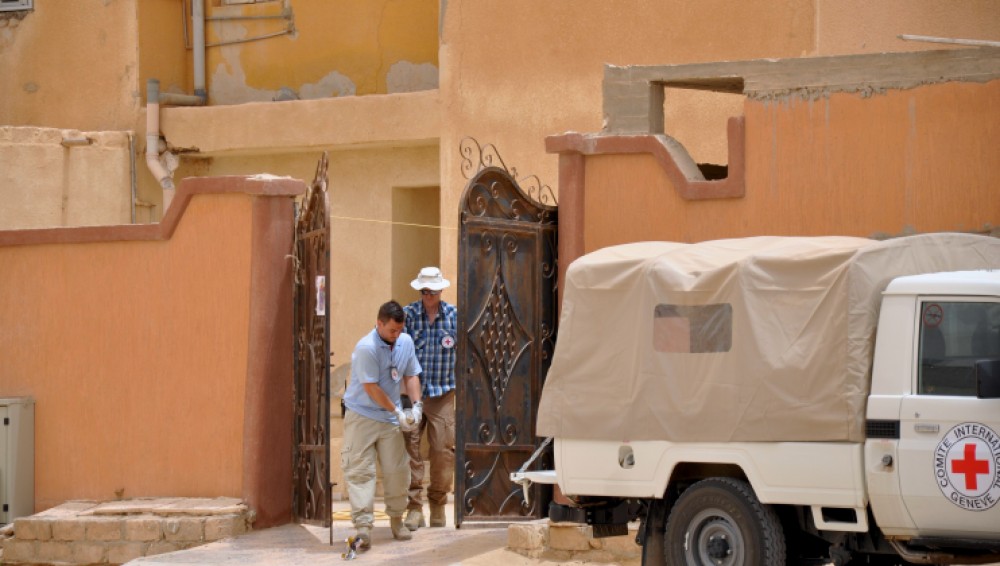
720 522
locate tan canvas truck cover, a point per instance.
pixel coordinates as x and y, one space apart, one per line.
755 339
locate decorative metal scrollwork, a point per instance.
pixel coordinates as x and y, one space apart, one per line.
476 157
508 277
499 339
310 259
493 193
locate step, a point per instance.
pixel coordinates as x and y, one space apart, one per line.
114 532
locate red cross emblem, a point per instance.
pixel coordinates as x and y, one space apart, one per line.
970 467
966 466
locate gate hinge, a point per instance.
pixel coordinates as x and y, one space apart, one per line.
4 507
6 421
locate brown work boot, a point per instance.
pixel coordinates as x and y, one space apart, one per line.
437 516
415 519
399 530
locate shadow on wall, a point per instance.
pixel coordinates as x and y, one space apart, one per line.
338 386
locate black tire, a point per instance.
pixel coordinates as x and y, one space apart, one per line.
720 522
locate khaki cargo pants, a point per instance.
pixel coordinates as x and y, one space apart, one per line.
439 422
365 441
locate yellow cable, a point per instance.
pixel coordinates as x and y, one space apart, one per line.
345 515
357 219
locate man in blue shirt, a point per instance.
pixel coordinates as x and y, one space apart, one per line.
433 324
382 362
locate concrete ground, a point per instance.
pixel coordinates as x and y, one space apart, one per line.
292 545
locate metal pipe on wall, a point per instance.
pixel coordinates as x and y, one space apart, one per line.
198 29
131 171
153 139
154 98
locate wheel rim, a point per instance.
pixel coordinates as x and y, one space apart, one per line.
713 538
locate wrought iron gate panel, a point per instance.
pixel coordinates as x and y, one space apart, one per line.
312 490
507 320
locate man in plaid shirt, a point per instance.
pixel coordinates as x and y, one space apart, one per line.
433 325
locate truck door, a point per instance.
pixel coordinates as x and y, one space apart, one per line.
949 446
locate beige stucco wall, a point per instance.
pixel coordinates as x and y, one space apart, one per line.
361 235
360 188
71 65
43 183
161 46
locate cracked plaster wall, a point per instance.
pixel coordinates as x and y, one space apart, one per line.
339 48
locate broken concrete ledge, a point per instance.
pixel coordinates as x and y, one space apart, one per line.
115 532
561 542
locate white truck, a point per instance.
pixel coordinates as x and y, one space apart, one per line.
779 400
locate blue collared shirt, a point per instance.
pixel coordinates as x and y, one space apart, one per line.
374 361
435 344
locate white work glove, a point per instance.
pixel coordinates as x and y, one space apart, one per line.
418 413
406 423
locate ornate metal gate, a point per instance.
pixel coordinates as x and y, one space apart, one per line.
507 322
312 491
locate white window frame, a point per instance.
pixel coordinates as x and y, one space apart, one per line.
16 5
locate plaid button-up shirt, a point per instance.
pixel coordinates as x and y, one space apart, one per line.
435 344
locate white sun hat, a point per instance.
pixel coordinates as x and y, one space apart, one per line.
430 278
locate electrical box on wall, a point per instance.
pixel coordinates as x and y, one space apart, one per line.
17 458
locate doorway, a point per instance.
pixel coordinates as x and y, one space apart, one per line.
416 236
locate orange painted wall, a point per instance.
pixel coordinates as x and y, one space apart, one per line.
141 357
918 160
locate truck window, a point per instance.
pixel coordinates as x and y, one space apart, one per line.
953 337
693 329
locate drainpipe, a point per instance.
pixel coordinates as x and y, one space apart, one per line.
154 98
198 44
153 142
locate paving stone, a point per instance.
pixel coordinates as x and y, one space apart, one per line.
137 529
86 552
527 536
132 506
226 526
184 529
569 537
203 506
53 551
122 552
104 529
18 550
32 528
68 509
85 532
69 529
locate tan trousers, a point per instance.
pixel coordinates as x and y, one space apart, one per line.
366 440
439 424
